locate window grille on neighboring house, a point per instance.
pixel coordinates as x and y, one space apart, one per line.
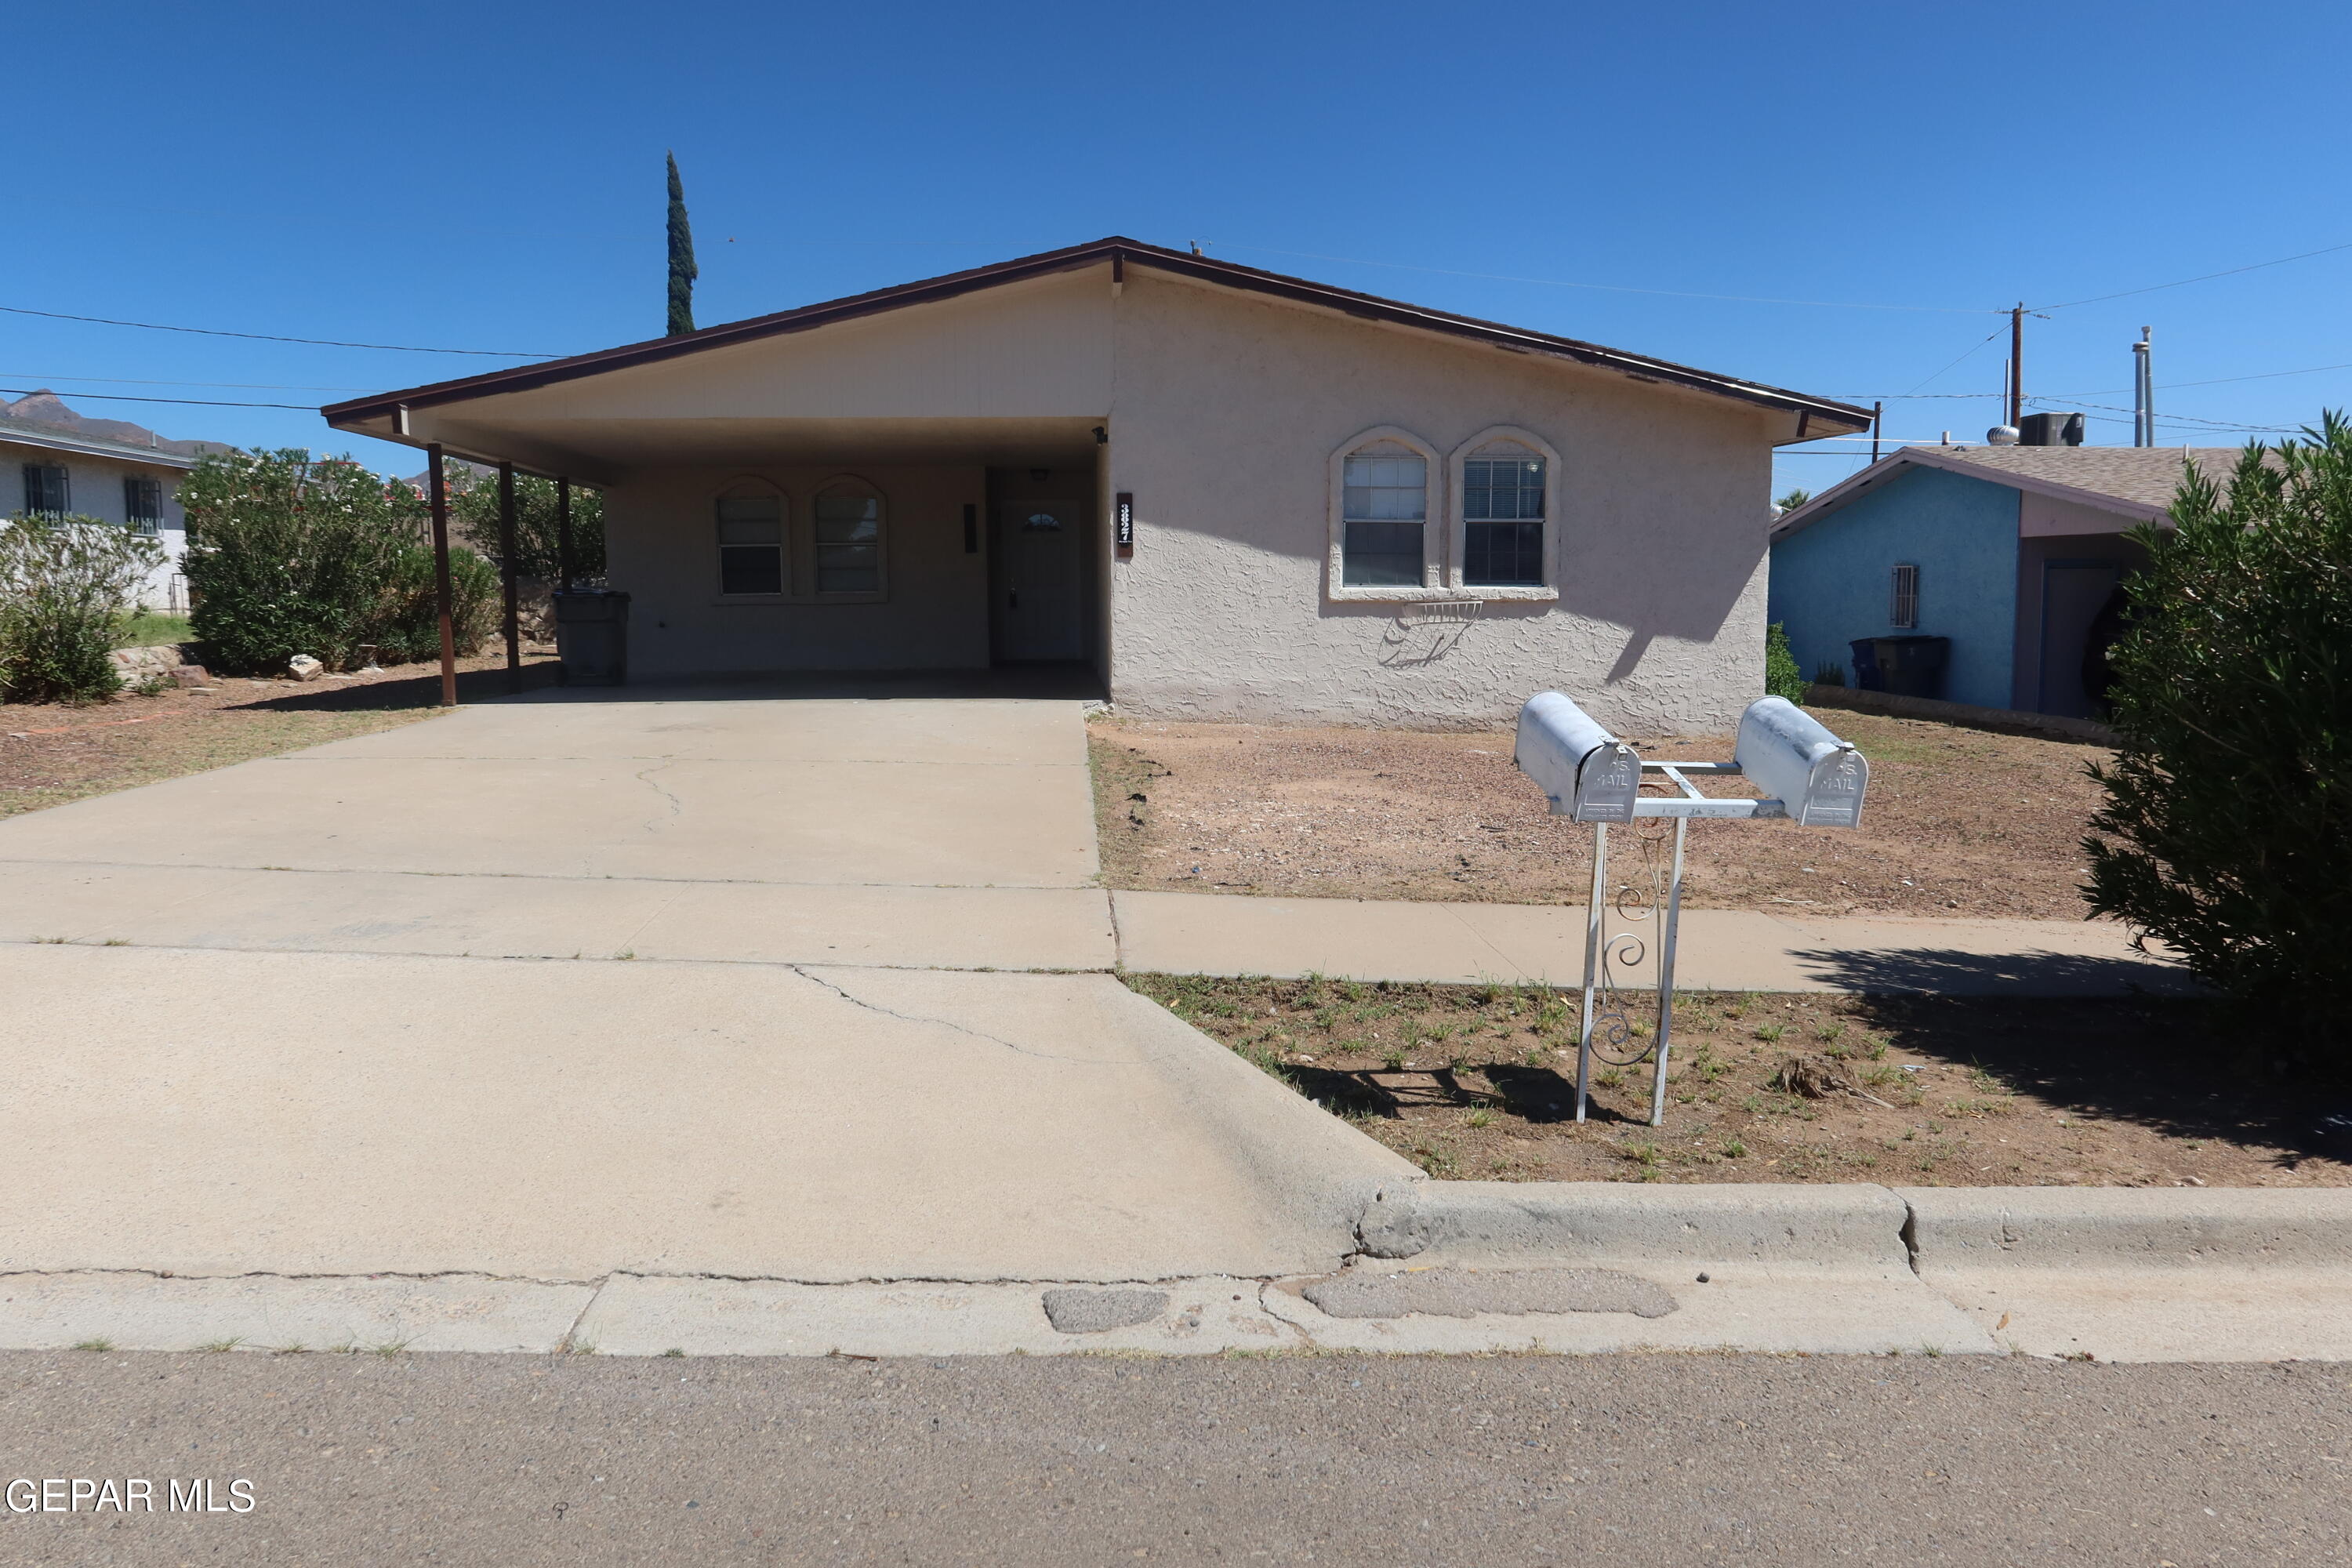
1903 611
143 504
1502 521
46 489
1384 510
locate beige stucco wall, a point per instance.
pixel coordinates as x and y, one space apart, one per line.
662 546
1226 412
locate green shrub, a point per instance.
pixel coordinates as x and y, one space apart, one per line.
2227 828
474 518
66 585
1781 676
289 554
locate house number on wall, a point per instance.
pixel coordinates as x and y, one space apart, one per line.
1124 523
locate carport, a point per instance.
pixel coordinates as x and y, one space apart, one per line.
874 484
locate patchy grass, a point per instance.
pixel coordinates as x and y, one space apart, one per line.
153 629
1477 1083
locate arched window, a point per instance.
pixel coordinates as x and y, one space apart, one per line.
1505 535
846 554
1382 485
754 550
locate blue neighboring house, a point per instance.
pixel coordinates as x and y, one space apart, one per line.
2010 553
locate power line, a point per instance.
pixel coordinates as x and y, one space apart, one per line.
2200 277
1606 288
192 402
136 380
274 338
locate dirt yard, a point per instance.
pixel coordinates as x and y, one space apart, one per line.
49 755
1472 1082
1958 822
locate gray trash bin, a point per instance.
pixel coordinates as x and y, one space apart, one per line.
592 635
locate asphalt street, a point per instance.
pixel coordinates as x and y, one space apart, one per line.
365 1459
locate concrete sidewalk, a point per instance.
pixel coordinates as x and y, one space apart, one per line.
1720 949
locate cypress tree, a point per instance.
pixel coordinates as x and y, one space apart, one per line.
682 270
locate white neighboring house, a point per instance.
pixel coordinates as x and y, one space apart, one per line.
49 470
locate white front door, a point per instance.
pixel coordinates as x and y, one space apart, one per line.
1041 608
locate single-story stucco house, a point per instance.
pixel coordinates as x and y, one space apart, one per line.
47 470
2012 553
1227 492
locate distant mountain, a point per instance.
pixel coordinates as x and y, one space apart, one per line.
46 409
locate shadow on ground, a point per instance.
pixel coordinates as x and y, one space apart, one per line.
2188 1066
1942 971
407 690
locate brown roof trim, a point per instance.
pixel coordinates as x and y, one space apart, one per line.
1117 250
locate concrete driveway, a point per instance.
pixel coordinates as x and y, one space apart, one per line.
558 986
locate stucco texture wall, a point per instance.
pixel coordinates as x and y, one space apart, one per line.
662 547
1225 415
1832 581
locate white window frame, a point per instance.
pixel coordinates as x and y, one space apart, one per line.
1457 532
881 589
799 541
744 485
1896 596
1432 513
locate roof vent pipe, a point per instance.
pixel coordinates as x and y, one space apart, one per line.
2001 436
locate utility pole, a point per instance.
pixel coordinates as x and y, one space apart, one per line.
2143 392
2017 363
1876 410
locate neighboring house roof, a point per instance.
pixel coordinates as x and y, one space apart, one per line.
50 438
1831 417
2136 482
47 410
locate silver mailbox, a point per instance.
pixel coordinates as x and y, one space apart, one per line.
1818 779
1584 771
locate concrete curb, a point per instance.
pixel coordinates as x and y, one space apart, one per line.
1858 1226
2141 1228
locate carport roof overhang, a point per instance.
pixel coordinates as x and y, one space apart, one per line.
602 450
438 413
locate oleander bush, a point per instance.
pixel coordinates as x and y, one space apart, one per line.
291 554
2227 828
67 584
473 516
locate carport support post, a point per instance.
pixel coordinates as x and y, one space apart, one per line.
507 575
437 489
563 533
1592 916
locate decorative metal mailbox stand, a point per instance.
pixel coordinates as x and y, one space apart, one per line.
1806 774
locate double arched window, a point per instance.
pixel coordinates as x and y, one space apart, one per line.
1407 525
837 553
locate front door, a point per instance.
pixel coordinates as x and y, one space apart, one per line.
1040 609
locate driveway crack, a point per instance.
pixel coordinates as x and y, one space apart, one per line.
677 806
856 1001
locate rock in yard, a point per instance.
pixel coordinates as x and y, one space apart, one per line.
1075 1312
191 675
302 667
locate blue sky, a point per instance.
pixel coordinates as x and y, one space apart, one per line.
489 176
